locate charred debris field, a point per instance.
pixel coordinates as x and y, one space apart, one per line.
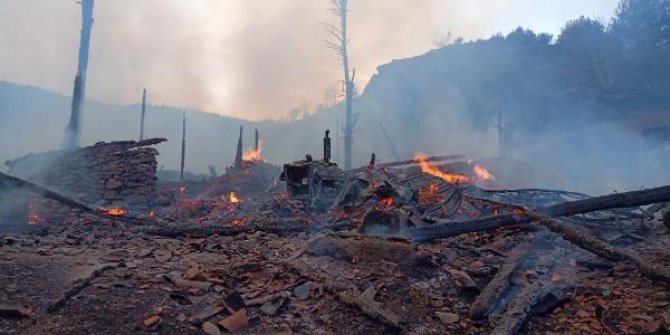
93 243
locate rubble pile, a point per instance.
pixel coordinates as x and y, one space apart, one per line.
115 174
423 246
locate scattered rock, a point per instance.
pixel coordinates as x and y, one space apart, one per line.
211 329
301 292
447 318
236 321
162 255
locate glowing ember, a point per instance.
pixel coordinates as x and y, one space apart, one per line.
234 198
151 214
236 223
33 217
433 171
388 202
433 188
253 155
482 173
115 211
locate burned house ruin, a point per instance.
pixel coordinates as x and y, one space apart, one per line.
104 175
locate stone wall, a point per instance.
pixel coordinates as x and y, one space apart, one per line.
102 175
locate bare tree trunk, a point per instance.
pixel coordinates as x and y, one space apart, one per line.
349 90
73 131
340 9
257 143
239 153
144 110
183 149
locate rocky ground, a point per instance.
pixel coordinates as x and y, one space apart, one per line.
105 279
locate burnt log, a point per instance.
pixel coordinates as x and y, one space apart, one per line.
280 227
480 308
619 200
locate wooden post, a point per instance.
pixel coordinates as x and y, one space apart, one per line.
144 110
73 131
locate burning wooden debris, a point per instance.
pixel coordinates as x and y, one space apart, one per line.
404 247
316 183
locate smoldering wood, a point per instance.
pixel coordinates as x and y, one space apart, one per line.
619 200
480 308
599 247
11 182
411 161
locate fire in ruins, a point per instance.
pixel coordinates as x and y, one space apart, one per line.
511 259
101 240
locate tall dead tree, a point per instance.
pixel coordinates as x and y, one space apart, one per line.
144 110
73 131
183 149
239 154
257 144
339 43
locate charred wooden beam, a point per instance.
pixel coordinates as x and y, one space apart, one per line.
607 202
411 161
480 308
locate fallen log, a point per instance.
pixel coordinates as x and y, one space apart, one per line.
410 161
602 249
518 311
285 226
594 245
480 308
445 229
350 296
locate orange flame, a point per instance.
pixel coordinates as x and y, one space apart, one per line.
433 171
482 173
33 217
253 155
234 198
388 202
116 211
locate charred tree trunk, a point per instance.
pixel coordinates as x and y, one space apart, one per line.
144 110
519 216
73 131
183 150
340 44
239 153
257 143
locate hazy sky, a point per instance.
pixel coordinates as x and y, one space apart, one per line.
255 59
